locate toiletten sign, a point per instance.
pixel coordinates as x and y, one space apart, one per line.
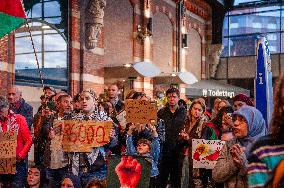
217 93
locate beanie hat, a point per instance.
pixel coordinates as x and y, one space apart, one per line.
244 98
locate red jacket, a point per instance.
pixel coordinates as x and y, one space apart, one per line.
24 138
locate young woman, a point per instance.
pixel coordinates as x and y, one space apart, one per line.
36 178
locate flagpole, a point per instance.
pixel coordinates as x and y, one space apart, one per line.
30 33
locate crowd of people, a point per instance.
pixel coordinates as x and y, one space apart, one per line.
251 157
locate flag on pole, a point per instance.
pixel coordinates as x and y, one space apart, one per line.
12 15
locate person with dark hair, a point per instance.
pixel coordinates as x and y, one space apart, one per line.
224 122
71 181
241 100
16 123
96 184
76 103
36 177
181 102
268 152
173 117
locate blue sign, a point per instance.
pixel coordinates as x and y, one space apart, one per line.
263 81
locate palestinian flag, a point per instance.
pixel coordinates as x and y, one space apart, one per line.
12 15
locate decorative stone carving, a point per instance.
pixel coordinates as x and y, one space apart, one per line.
214 52
94 23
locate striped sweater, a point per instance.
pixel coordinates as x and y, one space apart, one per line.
265 155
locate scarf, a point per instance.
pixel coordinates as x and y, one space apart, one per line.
12 124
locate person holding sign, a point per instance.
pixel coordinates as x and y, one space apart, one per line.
55 160
9 121
92 165
148 149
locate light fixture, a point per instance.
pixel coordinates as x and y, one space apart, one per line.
184 40
173 74
127 65
45 27
142 33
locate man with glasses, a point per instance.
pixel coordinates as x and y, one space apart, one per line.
174 117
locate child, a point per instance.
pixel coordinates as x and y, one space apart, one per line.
147 149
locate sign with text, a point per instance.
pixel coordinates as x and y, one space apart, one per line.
205 153
8 145
138 111
82 136
128 171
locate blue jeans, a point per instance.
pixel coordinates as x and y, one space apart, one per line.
55 176
17 180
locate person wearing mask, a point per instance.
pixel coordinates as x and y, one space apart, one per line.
9 121
56 161
173 117
113 92
268 152
241 100
231 167
18 105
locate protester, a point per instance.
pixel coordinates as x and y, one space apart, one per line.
49 92
225 122
71 181
9 121
148 149
55 161
18 105
241 100
91 166
174 118
215 108
76 103
223 103
267 152
231 167
96 184
113 92
36 177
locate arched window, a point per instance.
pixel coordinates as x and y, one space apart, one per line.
47 20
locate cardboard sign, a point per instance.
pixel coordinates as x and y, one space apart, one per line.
128 171
8 145
205 153
138 111
81 136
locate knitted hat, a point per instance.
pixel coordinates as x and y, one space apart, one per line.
242 97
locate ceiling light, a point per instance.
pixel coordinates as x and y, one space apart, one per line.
45 27
127 65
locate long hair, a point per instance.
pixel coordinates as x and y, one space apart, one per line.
196 101
277 122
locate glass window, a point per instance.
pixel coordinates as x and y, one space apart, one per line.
241 46
51 8
51 51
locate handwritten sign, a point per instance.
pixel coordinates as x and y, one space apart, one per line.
138 111
8 145
81 136
205 153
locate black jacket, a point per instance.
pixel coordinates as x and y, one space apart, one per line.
174 123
